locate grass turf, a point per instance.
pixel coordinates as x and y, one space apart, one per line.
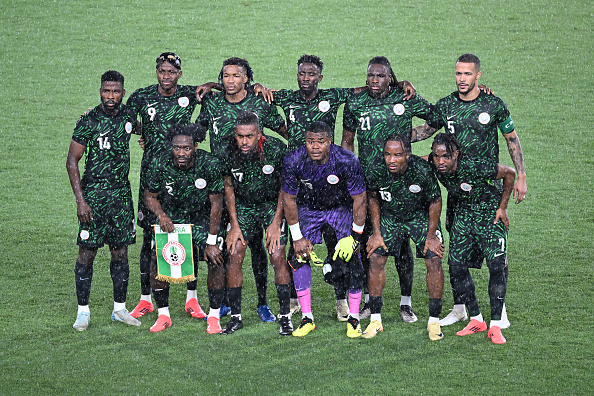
536 56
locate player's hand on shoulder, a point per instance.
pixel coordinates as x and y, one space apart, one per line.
409 90
142 143
265 92
486 89
204 89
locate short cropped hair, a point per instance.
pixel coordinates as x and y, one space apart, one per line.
319 127
470 58
311 59
112 75
247 118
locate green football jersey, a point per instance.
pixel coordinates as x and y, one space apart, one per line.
300 112
472 184
184 194
373 120
256 180
474 123
404 197
158 113
219 116
107 141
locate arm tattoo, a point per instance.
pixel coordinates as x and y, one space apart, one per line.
422 132
515 152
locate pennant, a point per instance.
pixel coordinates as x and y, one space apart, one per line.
175 258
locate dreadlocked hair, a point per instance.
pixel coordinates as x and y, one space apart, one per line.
311 59
450 141
194 130
242 63
382 60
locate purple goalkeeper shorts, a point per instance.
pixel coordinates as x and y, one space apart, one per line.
311 222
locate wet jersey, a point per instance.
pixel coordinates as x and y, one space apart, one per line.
184 194
404 197
373 120
158 113
474 123
219 116
323 187
257 181
300 112
107 141
472 184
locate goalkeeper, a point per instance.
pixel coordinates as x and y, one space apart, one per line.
323 186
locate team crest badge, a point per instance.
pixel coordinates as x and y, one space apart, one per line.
84 235
183 101
140 215
268 169
332 179
484 118
398 109
465 187
324 106
174 253
414 188
200 183
128 127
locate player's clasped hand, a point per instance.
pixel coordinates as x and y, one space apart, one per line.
213 256
84 212
166 223
345 248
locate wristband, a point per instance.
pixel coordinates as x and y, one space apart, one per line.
211 240
358 229
295 231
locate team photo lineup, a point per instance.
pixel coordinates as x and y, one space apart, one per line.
253 190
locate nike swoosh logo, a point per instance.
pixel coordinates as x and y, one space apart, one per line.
103 134
152 104
169 184
235 170
499 254
215 118
84 278
450 117
367 112
293 107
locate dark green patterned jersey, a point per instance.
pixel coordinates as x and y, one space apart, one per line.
373 120
158 113
256 180
107 141
300 112
184 194
404 197
472 184
474 123
219 116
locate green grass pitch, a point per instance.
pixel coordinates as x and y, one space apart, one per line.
536 55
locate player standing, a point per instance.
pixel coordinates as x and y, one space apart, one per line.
252 194
374 115
404 203
474 117
219 112
159 107
103 197
186 187
479 227
323 185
